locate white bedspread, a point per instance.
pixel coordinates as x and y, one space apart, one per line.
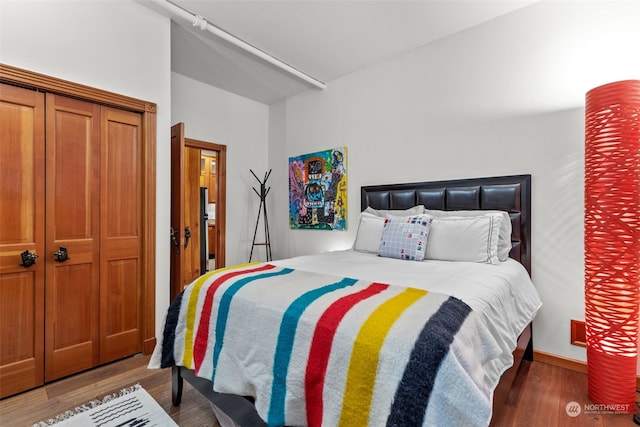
502 294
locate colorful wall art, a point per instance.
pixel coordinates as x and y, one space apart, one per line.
318 190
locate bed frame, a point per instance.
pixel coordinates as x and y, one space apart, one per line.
507 193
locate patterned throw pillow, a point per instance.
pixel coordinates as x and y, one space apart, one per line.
405 237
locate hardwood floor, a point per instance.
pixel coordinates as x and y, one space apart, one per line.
39 404
538 398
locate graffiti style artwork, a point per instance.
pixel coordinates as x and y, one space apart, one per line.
318 190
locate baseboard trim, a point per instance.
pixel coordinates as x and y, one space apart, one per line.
565 362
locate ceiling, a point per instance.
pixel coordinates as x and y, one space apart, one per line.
325 39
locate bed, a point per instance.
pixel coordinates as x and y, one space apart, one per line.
444 343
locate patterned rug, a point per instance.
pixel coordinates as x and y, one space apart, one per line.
132 407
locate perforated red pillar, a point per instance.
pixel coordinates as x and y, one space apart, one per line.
612 242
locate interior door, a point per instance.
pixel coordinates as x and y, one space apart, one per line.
72 236
177 209
22 222
185 211
185 185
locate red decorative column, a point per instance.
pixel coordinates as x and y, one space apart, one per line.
612 242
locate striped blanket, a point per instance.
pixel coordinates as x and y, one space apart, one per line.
319 350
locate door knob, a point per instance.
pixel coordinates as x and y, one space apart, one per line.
61 255
28 259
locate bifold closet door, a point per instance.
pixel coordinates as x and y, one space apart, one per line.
74 247
72 236
21 229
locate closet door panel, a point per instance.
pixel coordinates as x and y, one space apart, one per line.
121 227
121 336
72 285
21 229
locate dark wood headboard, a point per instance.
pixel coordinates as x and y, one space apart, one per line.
506 193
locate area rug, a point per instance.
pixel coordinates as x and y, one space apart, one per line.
132 407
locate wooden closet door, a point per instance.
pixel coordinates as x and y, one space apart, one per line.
72 200
121 235
21 229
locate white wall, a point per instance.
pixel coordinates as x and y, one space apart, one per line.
214 115
505 97
119 46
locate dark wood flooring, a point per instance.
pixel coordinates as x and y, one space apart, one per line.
538 398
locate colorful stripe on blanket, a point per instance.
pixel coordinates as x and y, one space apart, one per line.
314 349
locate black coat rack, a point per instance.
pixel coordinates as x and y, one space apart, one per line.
262 209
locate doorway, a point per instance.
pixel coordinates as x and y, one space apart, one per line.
198 213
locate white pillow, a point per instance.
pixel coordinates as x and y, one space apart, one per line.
416 210
369 233
504 238
472 239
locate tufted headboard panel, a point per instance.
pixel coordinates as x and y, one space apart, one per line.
507 193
